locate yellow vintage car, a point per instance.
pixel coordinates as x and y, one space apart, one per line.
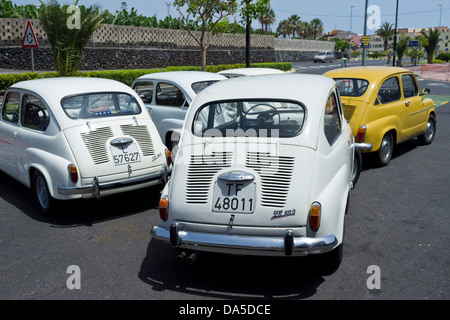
385 107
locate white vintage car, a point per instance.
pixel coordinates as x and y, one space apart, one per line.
68 138
168 95
263 167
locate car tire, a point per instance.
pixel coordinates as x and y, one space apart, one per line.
44 200
428 136
384 154
357 167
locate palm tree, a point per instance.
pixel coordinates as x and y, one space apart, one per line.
294 21
317 27
266 18
401 46
385 31
283 28
430 43
68 44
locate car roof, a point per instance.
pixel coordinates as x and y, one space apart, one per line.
251 71
52 90
60 87
183 77
371 73
309 89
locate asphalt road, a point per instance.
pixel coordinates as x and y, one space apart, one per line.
397 225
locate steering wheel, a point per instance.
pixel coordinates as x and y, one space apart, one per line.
263 118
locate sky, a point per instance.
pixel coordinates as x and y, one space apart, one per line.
345 15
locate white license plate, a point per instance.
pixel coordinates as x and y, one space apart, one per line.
234 197
126 154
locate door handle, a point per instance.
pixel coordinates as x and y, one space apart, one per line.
407 103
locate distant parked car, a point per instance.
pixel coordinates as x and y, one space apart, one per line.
385 107
264 167
69 138
168 95
324 56
239 72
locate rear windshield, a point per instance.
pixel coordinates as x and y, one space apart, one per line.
199 86
250 118
351 87
100 105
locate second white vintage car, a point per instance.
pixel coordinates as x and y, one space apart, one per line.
69 138
168 95
263 167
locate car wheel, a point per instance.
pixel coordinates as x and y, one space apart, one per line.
386 149
357 167
428 136
41 194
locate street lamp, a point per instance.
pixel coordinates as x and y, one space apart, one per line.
440 16
395 36
365 34
350 37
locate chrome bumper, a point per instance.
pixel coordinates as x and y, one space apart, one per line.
363 146
96 186
288 245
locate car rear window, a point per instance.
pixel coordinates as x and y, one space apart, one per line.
100 105
250 118
351 87
201 85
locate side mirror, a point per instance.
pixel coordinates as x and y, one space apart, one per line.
425 91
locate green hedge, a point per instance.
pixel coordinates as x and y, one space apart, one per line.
128 76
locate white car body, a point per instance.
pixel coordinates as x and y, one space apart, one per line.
240 72
288 174
168 114
113 149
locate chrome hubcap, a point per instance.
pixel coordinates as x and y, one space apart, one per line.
42 193
385 148
430 131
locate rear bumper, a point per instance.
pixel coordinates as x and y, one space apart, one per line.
287 245
96 187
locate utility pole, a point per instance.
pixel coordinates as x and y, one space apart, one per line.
365 34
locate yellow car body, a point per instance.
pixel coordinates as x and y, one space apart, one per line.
384 107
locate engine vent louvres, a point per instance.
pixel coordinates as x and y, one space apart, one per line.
95 142
275 174
142 136
201 171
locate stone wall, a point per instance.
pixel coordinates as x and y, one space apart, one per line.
120 47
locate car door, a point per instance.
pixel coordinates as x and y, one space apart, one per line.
9 127
168 109
415 110
390 106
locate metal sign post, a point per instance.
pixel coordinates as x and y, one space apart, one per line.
30 41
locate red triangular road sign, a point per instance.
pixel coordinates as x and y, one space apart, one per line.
29 38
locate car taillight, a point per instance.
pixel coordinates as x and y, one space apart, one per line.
168 157
361 135
314 216
164 208
73 172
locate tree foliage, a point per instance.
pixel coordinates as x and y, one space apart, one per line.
385 31
67 43
429 42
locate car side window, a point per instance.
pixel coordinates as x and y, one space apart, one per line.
10 112
34 113
145 90
389 91
169 95
332 120
409 86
